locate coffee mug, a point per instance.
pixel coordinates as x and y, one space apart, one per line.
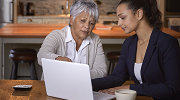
124 94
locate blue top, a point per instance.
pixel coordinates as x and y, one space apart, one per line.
160 70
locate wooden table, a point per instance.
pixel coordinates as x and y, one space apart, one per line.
38 91
35 34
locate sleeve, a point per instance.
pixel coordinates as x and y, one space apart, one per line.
118 76
49 47
99 68
171 69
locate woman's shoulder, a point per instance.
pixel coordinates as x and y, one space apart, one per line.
163 40
59 33
94 36
164 37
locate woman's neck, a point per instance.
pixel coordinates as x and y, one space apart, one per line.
78 43
144 31
76 39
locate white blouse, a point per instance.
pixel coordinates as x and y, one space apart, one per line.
137 71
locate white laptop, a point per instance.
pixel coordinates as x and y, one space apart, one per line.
71 81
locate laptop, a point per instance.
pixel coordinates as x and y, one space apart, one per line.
71 81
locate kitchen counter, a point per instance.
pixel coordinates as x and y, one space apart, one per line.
42 30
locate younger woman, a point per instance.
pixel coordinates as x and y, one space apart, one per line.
150 57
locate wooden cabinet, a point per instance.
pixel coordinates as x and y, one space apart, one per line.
65 20
52 20
55 20
43 20
30 20
101 20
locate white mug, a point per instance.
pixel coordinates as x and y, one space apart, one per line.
124 94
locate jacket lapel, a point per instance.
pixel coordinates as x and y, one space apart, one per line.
149 52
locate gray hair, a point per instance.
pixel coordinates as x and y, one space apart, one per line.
80 6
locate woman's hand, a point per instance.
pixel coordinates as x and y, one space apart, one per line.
63 59
112 90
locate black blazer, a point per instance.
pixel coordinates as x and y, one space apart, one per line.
160 70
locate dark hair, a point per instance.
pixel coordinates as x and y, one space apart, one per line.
149 8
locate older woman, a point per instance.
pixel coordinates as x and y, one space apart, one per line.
76 42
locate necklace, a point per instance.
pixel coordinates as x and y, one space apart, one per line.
143 42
